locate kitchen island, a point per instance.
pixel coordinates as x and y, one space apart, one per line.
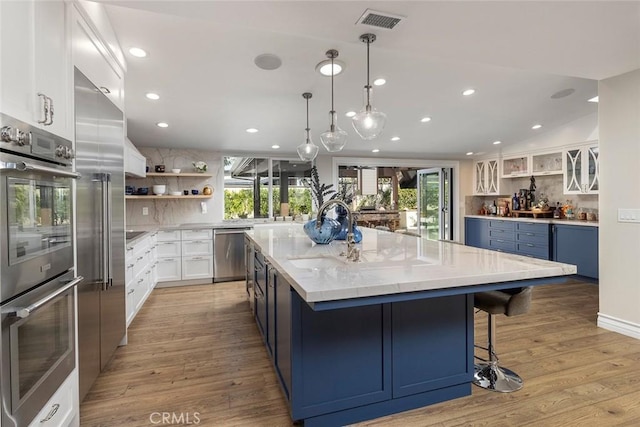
393 332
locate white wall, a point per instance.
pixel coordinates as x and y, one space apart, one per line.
619 120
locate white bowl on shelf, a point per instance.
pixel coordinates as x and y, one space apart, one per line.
176 193
175 170
159 190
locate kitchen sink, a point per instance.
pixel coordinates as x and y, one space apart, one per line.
133 234
317 262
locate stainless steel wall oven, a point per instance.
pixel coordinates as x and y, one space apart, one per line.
37 276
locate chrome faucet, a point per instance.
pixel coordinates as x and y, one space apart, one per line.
353 253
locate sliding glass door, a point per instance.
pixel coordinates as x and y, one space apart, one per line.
435 203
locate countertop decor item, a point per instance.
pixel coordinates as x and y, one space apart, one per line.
318 190
369 123
207 190
200 166
343 219
307 150
325 233
335 138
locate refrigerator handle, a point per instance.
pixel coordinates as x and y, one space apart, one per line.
108 273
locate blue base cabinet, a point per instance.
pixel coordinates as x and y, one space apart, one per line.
515 237
346 365
476 232
575 244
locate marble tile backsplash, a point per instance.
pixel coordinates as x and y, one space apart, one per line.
550 186
178 211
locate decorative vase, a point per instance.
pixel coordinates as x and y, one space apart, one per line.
329 229
343 219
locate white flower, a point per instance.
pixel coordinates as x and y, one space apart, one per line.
200 166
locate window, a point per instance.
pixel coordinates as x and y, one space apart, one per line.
264 187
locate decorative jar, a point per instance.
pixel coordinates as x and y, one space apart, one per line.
327 232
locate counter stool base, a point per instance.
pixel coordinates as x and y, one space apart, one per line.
495 378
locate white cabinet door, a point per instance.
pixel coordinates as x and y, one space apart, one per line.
168 236
582 171
513 167
486 179
35 59
130 302
169 269
197 267
203 234
53 66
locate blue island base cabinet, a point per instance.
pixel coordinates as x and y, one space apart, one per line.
352 364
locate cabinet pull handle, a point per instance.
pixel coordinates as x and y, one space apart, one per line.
129 248
45 108
529 234
197 257
130 266
50 121
128 293
52 412
139 258
141 280
499 240
147 272
530 245
169 259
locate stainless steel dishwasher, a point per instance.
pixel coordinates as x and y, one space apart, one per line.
228 254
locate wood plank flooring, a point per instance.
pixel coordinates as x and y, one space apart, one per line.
195 353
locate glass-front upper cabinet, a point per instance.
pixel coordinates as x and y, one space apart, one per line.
513 167
486 179
547 163
581 175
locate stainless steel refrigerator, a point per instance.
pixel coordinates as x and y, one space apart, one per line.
100 229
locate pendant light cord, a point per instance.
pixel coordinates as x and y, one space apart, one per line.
368 84
307 129
332 110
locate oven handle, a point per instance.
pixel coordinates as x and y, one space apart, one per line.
24 166
27 311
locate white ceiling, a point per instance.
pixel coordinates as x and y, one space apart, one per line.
515 54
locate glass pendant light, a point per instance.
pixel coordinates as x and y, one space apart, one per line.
307 150
335 138
369 123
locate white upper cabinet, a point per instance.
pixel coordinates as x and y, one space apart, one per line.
94 59
547 163
581 175
486 179
135 163
36 65
514 167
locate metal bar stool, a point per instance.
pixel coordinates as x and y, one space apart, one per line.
510 302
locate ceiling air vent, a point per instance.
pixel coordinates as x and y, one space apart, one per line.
378 19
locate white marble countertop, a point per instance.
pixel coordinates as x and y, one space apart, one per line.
540 220
391 263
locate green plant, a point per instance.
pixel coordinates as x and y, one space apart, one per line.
318 190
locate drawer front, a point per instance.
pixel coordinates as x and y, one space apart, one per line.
60 409
197 247
502 245
532 249
169 269
501 234
201 234
168 235
532 227
197 267
502 225
532 237
168 249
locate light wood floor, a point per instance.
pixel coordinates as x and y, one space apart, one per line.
196 349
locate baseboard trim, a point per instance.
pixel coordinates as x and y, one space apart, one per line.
620 326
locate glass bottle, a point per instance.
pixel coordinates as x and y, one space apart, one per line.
556 211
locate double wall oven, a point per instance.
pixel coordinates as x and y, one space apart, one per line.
37 279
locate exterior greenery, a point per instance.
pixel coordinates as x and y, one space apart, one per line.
238 203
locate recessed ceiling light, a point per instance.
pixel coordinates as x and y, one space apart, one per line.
497 142
395 138
425 119
162 125
350 113
535 127
324 67
252 130
470 153
469 92
275 147
375 150
153 96
379 82
137 52
594 99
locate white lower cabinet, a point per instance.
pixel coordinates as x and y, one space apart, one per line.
185 255
63 406
140 265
